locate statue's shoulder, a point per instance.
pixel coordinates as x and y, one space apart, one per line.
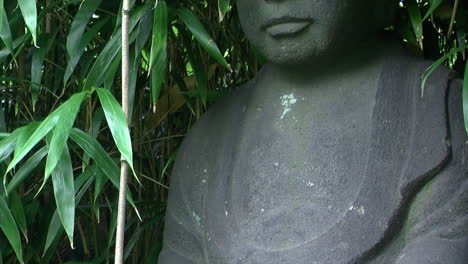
207 140
438 213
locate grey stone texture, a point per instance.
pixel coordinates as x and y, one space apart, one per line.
329 155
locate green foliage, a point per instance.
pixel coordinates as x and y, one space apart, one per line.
60 117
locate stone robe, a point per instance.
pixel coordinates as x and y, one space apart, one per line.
237 199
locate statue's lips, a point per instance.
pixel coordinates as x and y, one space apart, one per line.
286 26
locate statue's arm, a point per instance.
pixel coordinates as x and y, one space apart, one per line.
438 218
184 230
183 240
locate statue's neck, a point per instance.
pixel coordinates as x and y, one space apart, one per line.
329 66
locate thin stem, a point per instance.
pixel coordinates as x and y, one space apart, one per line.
452 21
119 240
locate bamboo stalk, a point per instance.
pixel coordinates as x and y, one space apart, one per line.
119 243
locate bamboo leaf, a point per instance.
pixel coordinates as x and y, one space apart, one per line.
144 32
93 131
28 9
5 32
25 171
78 26
7 145
199 70
76 41
62 178
55 229
132 79
416 20
159 37
4 53
433 6
98 72
100 182
77 52
38 54
436 64
157 76
25 134
103 160
117 124
158 57
18 212
223 8
81 184
202 36
44 128
61 133
110 74
9 228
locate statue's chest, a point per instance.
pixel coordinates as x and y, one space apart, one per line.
293 178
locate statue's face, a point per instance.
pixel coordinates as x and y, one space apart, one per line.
293 32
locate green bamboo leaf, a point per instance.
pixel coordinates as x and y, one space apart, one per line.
44 128
74 57
132 79
144 32
103 160
10 229
78 26
159 37
5 32
136 235
433 6
62 178
465 97
100 182
436 64
55 229
113 222
61 133
76 41
157 76
25 134
28 9
223 8
98 72
25 171
198 69
7 145
93 131
97 153
117 124
81 184
416 20
45 41
18 212
202 36
4 53
158 55
110 74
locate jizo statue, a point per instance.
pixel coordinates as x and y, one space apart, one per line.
329 155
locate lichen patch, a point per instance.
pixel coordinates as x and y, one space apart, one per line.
287 101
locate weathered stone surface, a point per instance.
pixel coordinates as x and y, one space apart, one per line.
312 164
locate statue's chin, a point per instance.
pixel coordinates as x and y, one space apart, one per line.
293 61
303 55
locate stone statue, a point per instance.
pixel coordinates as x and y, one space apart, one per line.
329 155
